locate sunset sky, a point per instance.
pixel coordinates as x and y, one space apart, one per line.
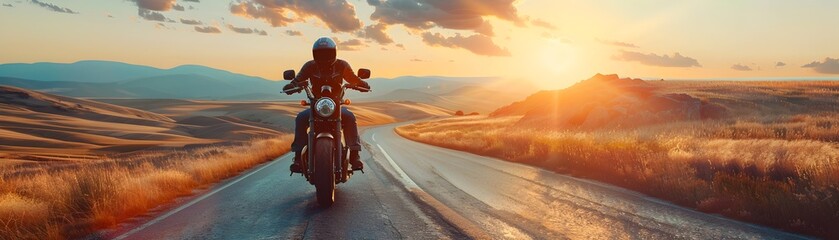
554 43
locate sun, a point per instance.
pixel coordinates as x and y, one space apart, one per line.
557 58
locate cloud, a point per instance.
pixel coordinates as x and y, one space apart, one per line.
451 14
542 23
207 29
417 60
377 33
619 44
338 15
240 30
293 33
655 60
151 15
829 66
399 45
247 30
8 5
741 67
477 44
350 45
156 5
178 7
780 64
191 22
467 15
52 7
192 0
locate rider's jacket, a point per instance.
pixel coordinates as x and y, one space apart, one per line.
332 76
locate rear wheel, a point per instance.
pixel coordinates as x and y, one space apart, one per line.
325 172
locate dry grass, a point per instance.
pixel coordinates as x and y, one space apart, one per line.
73 201
782 172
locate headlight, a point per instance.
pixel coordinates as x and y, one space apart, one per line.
325 107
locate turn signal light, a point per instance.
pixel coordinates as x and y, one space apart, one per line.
304 103
347 101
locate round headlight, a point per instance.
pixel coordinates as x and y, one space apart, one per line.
325 107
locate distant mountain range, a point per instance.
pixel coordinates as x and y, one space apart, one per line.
108 72
106 79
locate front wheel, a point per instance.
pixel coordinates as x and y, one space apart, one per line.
324 171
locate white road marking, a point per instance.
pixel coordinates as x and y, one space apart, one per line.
407 181
374 137
458 221
194 201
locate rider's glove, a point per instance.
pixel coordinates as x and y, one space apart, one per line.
288 87
364 84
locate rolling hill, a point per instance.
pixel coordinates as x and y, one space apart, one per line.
467 94
37 127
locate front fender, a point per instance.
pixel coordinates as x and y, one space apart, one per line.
324 135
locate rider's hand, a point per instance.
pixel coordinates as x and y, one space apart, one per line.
288 87
364 84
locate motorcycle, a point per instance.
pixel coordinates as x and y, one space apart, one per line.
328 163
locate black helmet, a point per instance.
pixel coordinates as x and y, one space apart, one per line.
324 51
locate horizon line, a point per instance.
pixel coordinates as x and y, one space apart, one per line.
788 78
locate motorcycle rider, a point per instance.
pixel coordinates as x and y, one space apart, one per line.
326 69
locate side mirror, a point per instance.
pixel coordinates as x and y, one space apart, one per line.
363 73
288 74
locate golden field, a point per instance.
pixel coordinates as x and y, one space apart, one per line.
769 161
74 201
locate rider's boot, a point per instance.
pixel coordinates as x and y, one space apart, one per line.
355 160
297 165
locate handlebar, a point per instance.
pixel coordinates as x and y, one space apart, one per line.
304 85
293 90
357 88
301 86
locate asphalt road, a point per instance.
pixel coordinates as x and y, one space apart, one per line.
416 191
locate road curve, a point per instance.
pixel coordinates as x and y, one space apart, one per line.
417 191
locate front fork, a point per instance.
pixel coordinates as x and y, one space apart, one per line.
341 170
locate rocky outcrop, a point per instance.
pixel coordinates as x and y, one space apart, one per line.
608 101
